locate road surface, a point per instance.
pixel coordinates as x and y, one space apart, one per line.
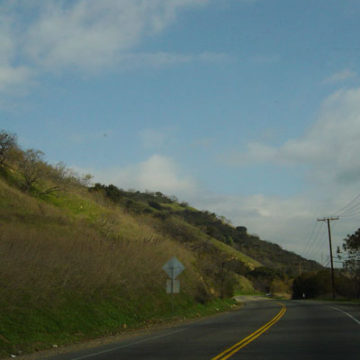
285 330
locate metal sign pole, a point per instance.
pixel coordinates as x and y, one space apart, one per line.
173 268
172 289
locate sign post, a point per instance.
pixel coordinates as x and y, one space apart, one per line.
173 268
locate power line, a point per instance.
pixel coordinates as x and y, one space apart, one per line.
321 244
349 204
310 235
348 216
355 229
314 241
353 208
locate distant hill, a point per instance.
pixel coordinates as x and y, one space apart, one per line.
254 251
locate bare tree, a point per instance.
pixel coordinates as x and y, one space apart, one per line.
7 142
85 180
31 167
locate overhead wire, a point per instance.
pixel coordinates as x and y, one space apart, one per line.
321 244
353 215
316 241
349 204
310 237
327 262
351 209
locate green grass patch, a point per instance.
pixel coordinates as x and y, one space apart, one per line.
244 286
29 327
250 262
174 206
75 205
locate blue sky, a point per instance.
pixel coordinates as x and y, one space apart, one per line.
249 108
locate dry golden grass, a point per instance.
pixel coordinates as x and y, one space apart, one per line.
44 261
44 253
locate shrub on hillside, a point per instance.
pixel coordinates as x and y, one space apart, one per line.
155 205
7 144
263 277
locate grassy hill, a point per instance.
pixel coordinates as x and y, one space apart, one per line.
80 261
249 249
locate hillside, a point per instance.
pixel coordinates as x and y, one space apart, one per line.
250 249
80 261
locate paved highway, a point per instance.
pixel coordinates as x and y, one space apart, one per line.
286 330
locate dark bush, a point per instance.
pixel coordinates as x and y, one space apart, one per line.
155 205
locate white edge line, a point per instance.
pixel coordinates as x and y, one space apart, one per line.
349 315
126 345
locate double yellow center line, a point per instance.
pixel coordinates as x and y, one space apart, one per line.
236 347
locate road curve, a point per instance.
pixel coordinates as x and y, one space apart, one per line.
260 330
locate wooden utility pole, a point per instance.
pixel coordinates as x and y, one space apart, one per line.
331 256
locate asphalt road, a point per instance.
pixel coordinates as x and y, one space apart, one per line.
288 330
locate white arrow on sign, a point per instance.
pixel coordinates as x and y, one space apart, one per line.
173 268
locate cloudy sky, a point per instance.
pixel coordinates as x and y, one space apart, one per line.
249 108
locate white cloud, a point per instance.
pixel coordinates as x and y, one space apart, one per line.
161 172
93 34
13 77
340 76
330 148
158 173
86 35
